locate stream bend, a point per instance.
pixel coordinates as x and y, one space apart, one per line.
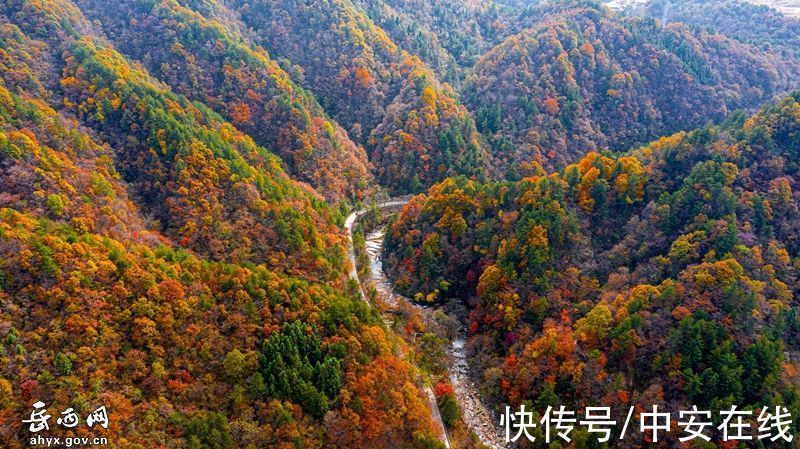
476 415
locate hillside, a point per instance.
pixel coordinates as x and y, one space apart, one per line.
413 127
209 61
596 207
767 26
584 79
666 275
448 36
159 262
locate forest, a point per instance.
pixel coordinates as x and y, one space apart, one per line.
663 275
600 204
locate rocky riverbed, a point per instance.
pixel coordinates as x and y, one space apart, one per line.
476 415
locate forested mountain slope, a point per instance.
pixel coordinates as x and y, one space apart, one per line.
157 261
553 81
766 27
582 78
414 128
209 61
664 276
173 175
448 36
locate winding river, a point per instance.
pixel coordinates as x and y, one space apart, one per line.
475 414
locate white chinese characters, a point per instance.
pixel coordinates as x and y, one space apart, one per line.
99 416
39 418
68 418
736 424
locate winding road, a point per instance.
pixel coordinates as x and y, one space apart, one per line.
476 415
348 225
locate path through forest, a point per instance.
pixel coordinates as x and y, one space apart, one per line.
348 225
476 415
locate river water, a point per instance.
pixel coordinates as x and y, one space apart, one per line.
476 415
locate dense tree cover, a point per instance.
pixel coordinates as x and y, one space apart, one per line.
160 337
447 36
158 258
667 275
153 257
429 138
600 87
48 166
294 366
582 78
414 128
765 26
403 28
202 179
210 61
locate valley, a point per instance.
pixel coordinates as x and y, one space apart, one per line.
342 224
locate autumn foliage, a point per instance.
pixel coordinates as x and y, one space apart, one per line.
667 276
158 261
577 78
